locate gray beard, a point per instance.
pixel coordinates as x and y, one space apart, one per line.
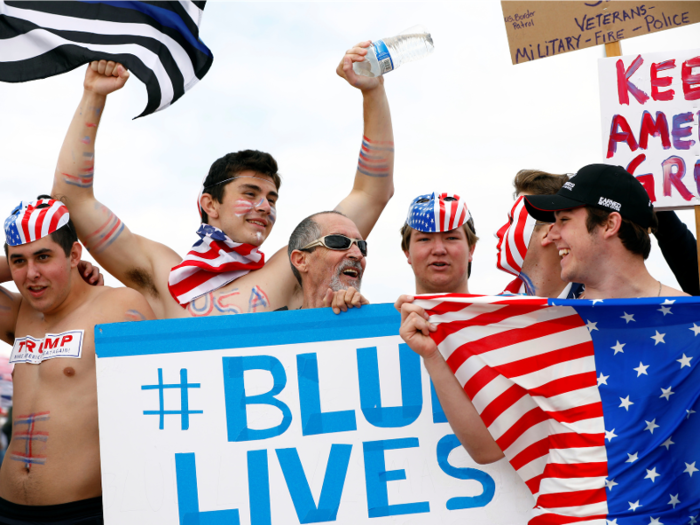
336 284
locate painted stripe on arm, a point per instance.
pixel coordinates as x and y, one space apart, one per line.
374 158
108 232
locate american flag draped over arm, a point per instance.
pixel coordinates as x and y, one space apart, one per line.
593 402
158 41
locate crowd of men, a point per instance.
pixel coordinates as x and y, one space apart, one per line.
582 236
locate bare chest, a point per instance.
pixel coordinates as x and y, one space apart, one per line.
238 297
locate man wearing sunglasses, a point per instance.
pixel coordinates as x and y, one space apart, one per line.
225 272
327 256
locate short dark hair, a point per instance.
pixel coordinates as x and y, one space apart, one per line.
633 237
306 232
537 182
65 236
469 230
233 163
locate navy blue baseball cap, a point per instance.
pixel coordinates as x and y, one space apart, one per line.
609 188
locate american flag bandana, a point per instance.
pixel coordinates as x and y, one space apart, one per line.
593 402
514 238
31 221
214 261
437 212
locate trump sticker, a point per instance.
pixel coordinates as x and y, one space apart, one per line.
34 351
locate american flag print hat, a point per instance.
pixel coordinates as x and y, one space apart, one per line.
514 238
437 212
31 221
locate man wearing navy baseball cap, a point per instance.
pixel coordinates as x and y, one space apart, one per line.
602 220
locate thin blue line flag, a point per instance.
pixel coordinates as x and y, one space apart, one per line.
157 41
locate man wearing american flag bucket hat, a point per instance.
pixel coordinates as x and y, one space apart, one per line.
51 472
438 239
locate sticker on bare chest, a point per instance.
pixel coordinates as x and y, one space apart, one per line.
34 351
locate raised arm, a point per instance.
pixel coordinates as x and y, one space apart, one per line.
461 414
130 258
374 179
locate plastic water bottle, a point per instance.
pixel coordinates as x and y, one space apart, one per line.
389 53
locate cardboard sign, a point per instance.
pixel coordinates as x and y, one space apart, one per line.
650 110
282 418
542 29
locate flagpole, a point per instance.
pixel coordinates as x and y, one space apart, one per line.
614 49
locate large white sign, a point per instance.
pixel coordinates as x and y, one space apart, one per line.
650 110
283 418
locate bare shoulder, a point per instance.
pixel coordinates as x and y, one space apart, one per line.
667 291
123 304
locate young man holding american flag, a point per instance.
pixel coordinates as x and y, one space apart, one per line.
555 385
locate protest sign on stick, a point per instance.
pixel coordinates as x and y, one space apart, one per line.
650 106
542 29
283 418
614 49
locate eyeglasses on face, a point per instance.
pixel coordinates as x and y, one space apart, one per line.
338 242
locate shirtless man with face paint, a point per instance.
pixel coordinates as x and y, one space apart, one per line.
224 273
51 471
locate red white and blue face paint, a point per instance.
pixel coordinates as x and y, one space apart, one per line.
514 238
241 207
31 221
437 212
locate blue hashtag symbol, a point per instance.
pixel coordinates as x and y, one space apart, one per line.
184 411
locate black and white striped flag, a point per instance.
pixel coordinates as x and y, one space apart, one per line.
157 41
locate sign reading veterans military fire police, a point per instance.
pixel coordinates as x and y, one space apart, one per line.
282 418
650 111
540 29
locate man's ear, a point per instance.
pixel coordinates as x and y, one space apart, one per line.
408 257
545 239
612 225
298 260
471 252
76 253
209 205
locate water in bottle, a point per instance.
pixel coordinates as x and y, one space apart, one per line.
389 53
